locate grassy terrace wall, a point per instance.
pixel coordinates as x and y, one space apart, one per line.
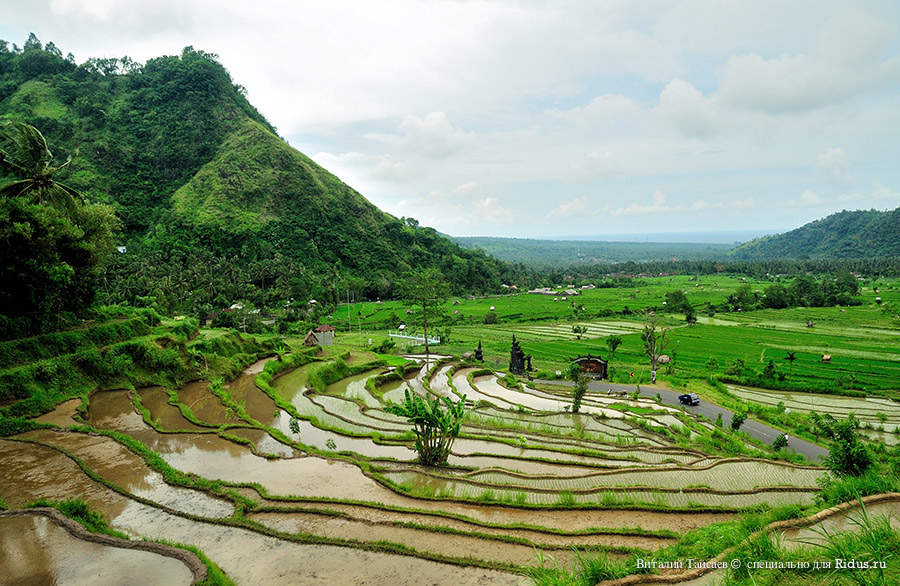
123 353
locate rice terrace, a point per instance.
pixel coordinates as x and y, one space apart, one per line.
221 364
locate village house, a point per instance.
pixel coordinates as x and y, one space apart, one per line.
321 336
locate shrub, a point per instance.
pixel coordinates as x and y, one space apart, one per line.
738 419
780 442
436 424
490 318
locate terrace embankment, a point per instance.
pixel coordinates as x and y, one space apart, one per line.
247 556
40 548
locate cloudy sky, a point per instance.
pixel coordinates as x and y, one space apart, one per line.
550 118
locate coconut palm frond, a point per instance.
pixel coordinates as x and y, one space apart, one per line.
24 154
16 188
24 149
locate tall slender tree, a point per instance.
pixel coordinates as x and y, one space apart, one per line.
654 338
791 357
425 288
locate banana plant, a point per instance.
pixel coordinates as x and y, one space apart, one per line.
436 424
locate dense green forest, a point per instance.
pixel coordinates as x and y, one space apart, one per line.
846 234
551 253
215 208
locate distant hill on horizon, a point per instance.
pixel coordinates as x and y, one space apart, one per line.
542 253
845 234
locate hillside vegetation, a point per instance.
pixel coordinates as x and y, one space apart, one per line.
553 253
216 208
846 234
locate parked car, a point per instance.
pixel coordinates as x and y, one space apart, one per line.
689 399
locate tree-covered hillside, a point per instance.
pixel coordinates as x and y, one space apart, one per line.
846 234
555 253
215 206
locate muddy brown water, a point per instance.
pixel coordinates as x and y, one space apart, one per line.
448 544
555 519
258 405
258 366
843 522
293 382
63 415
247 557
206 406
440 382
127 470
168 417
33 472
212 457
384 516
38 551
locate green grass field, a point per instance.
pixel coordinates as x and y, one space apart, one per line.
863 341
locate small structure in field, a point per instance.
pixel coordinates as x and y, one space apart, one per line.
321 336
826 357
594 366
516 358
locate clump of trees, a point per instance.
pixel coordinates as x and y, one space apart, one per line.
53 241
737 420
436 423
613 342
848 454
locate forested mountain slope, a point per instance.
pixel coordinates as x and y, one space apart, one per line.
555 253
846 234
202 182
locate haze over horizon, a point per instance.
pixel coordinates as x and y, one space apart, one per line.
550 120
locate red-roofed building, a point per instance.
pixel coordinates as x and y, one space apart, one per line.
321 336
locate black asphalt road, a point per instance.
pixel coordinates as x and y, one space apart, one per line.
761 431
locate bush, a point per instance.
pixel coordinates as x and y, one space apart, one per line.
738 419
436 424
490 318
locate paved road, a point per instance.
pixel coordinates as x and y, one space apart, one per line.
761 431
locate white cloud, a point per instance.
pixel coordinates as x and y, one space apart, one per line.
491 209
657 205
882 192
848 60
833 161
606 108
577 206
477 103
808 198
433 136
682 105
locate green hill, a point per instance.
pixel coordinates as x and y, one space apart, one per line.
554 253
215 206
846 234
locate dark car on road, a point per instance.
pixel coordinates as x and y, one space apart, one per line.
689 399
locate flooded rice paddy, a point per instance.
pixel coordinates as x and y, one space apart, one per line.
38 551
293 485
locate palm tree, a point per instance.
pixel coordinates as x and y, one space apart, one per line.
791 357
25 156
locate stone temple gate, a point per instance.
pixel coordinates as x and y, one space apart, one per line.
594 366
